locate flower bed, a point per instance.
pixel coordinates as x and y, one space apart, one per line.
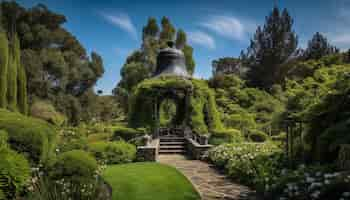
264 167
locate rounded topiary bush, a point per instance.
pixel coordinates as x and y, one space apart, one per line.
113 152
225 136
75 166
32 137
14 172
255 135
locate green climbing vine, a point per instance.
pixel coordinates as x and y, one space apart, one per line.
199 113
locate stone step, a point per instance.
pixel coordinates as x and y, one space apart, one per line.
172 147
171 139
171 143
171 151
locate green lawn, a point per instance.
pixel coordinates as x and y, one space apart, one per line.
148 181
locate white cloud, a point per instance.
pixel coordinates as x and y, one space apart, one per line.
228 26
201 38
123 22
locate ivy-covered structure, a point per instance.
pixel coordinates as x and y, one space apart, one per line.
196 107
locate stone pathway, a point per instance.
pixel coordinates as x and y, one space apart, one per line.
208 181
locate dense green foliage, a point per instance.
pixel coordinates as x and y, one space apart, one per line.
202 115
76 166
113 152
32 137
14 170
148 181
244 108
127 133
57 67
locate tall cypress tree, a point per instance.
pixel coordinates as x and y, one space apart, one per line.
12 75
21 81
4 55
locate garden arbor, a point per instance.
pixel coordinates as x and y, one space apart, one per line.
195 103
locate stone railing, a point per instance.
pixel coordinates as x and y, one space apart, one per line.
150 151
196 145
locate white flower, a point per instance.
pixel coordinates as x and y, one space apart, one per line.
310 180
346 194
316 194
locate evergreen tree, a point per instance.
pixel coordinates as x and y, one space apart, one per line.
22 83
318 47
151 29
270 47
181 39
4 55
12 74
168 31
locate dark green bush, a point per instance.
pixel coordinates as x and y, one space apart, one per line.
126 133
75 166
225 136
113 152
14 172
32 137
255 135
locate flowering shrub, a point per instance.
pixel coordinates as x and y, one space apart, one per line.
263 166
44 187
249 163
310 183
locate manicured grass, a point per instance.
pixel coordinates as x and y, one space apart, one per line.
148 181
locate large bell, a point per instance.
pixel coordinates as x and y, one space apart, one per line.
171 61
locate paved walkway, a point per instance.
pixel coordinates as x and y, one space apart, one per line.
209 182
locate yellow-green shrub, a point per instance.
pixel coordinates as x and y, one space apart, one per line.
32 137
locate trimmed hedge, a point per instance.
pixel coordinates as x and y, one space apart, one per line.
113 152
226 136
75 166
32 137
126 133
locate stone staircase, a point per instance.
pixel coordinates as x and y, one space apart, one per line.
171 144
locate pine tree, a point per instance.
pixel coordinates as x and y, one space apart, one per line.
348 56
12 75
181 39
21 81
4 55
270 47
318 47
168 31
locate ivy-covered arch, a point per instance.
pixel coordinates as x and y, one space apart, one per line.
196 106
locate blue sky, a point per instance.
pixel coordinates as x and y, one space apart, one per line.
214 28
